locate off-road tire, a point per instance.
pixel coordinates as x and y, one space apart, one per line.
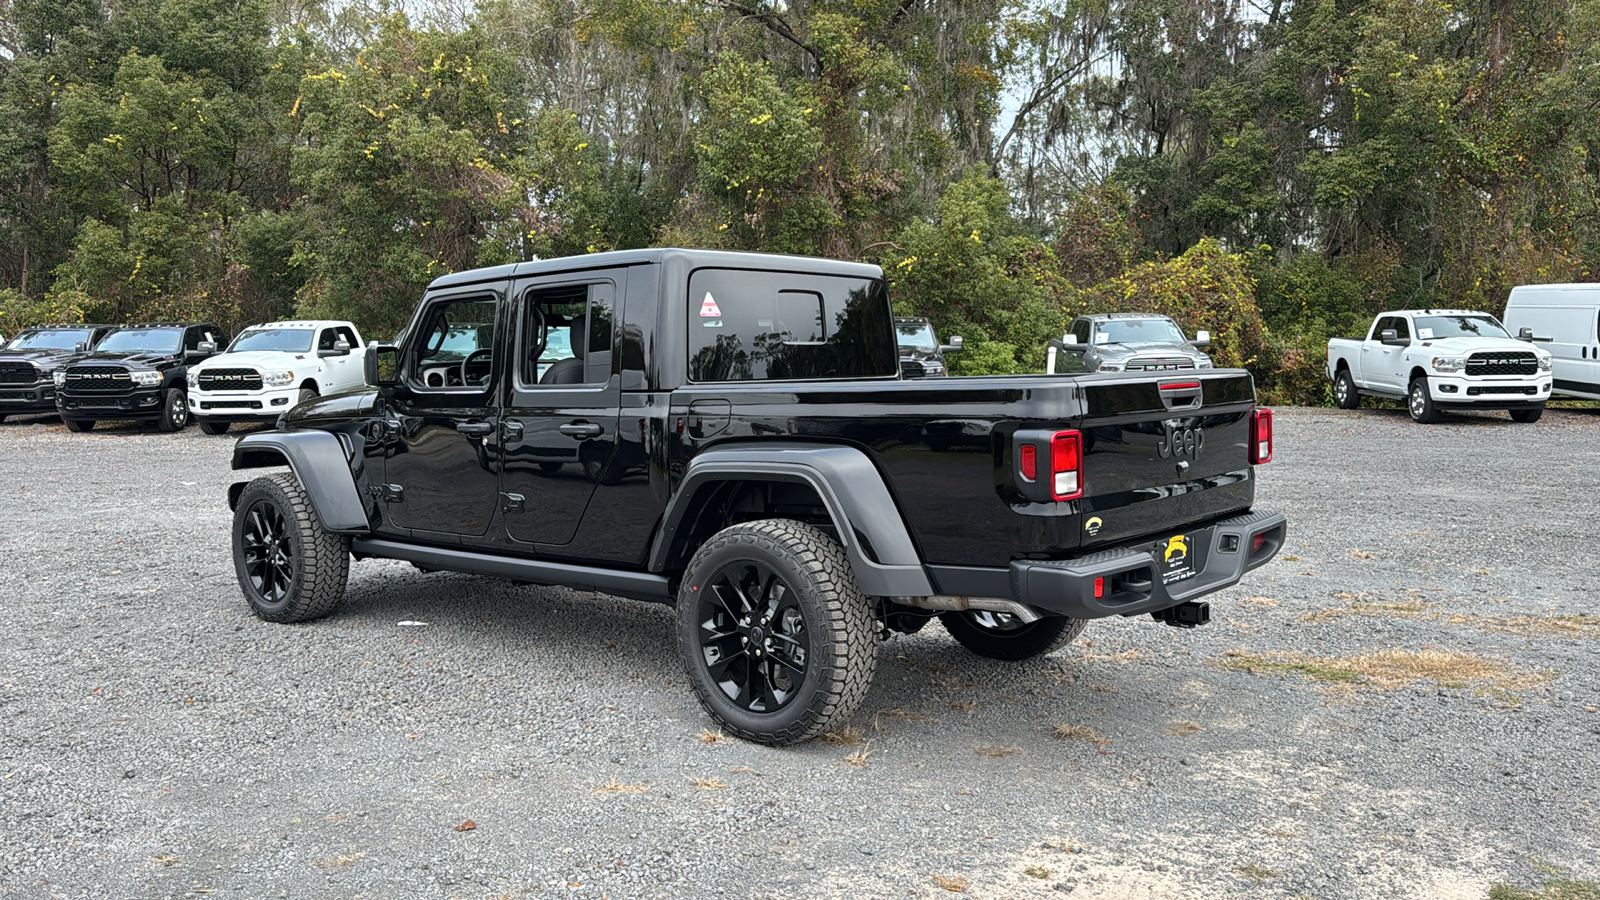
78 426
843 651
1025 641
1526 416
215 427
174 411
1345 395
319 560
1419 403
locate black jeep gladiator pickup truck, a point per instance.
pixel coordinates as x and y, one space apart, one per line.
136 372
730 433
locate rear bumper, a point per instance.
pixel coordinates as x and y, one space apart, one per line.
1129 578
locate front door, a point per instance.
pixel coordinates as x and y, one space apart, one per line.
560 422
440 471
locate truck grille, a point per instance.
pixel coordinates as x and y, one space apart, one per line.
1511 363
18 373
98 379
229 380
1158 365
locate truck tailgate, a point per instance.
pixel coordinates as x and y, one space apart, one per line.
1163 453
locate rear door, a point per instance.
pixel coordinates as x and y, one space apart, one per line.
560 426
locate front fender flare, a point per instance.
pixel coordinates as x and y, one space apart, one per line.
870 527
319 460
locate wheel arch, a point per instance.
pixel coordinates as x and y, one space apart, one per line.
311 383
841 482
1416 372
320 462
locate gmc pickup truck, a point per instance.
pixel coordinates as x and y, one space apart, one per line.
1438 359
731 434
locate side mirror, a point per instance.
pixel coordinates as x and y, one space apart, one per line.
382 365
340 348
1525 334
1392 338
81 347
207 347
1202 338
1069 339
954 346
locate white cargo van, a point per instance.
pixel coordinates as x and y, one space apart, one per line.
1565 319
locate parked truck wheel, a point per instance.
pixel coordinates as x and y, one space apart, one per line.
290 569
174 411
998 635
1345 395
215 427
1527 416
78 426
1420 403
776 637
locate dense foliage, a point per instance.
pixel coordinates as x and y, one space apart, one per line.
1273 172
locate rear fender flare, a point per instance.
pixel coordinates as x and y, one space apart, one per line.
875 538
319 460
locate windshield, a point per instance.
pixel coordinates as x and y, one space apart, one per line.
916 335
149 340
1433 328
50 340
285 340
1128 331
459 341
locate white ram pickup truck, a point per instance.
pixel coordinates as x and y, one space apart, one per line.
269 368
1438 359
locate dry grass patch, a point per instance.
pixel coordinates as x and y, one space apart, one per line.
165 860
709 784
1361 554
707 736
614 786
859 758
953 883
998 751
1180 729
1255 873
1124 656
1039 872
966 706
339 862
1406 609
1067 732
848 736
1579 625
1261 601
1384 669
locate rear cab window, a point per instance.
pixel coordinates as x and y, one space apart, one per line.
771 326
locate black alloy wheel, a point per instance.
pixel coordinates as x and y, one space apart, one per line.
268 556
999 635
753 636
289 568
775 635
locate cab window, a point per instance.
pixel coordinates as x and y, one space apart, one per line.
566 335
454 347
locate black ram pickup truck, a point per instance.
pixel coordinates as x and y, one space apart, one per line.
136 372
731 434
28 363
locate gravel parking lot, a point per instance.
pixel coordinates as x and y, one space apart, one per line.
1403 705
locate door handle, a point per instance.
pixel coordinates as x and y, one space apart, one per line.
475 427
510 431
581 429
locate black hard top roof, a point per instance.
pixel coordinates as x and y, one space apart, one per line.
164 324
689 259
1101 317
63 326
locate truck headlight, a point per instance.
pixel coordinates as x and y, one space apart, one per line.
145 379
277 379
191 379
59 376
1449 363
1203 362
1546 363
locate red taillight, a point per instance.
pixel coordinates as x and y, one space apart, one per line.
1260 436
1099 588
1030 462
1066 465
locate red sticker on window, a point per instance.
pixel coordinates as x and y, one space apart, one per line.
708 309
